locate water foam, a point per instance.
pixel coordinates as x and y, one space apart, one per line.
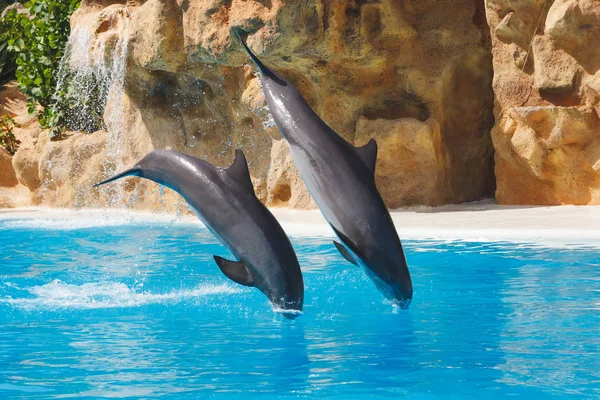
59 295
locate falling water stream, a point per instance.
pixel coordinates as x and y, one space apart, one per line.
91 96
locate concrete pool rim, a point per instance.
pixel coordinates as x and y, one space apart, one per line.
554 226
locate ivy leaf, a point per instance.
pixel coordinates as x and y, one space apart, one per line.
37 45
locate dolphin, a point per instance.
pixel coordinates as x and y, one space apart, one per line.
224 200
341 179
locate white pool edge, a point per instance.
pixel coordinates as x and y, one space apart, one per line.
477 222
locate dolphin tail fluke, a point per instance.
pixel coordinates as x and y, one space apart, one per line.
262 67
130 172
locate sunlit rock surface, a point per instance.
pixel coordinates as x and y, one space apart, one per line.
284 184
411 162
415 75
12 192
546 82
7 172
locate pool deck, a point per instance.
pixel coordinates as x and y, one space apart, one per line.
482 221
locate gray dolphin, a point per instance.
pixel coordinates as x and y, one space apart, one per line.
224 200
341 179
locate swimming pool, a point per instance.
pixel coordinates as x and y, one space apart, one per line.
139 309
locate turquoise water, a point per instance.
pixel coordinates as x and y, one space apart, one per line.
141 311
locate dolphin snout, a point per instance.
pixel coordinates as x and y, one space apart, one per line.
288 309
403 294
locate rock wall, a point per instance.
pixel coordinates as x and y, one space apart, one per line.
12 191
547 87
415 75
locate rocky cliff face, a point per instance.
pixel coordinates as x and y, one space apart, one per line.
547 86
13 193
415 75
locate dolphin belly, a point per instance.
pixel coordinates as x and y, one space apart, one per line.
338 192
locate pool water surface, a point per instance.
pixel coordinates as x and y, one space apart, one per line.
140 310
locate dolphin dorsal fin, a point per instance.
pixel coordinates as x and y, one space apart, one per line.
368 154
238 171
235 270
344 252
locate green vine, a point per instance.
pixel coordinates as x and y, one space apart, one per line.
7 64
37 39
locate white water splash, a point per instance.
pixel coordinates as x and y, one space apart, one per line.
287 313
59 295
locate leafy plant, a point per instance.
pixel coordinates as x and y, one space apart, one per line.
5 3
7 64
7 137
37 39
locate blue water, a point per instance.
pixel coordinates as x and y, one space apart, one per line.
142 311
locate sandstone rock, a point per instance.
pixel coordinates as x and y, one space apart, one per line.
157 36
25 164
253 95
189 86
68 169
208 25
100 3
547 155
7 172
99 31
593 82
13 102
22 173
514 21
574 25
546 134
410 161
285 186
513 29
338 56
555 70
15 196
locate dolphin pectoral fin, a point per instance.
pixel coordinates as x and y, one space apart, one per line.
346 240
235 270
238 171
344 253
368 154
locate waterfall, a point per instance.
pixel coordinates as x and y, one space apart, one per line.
90 96
114 116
